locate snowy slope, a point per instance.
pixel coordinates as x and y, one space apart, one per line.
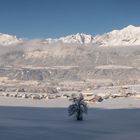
6 39
128 36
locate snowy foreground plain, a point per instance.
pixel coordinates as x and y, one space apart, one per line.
26 119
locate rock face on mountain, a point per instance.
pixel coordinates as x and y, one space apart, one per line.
77 57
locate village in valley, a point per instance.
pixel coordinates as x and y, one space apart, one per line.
92 92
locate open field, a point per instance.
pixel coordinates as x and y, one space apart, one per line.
27 119
22 123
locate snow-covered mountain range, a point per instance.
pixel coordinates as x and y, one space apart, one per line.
127 36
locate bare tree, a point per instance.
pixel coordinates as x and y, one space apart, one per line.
78 108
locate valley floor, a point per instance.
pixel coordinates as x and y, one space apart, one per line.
113 103
113 119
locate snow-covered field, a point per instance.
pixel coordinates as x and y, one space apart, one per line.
26 119
117 103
